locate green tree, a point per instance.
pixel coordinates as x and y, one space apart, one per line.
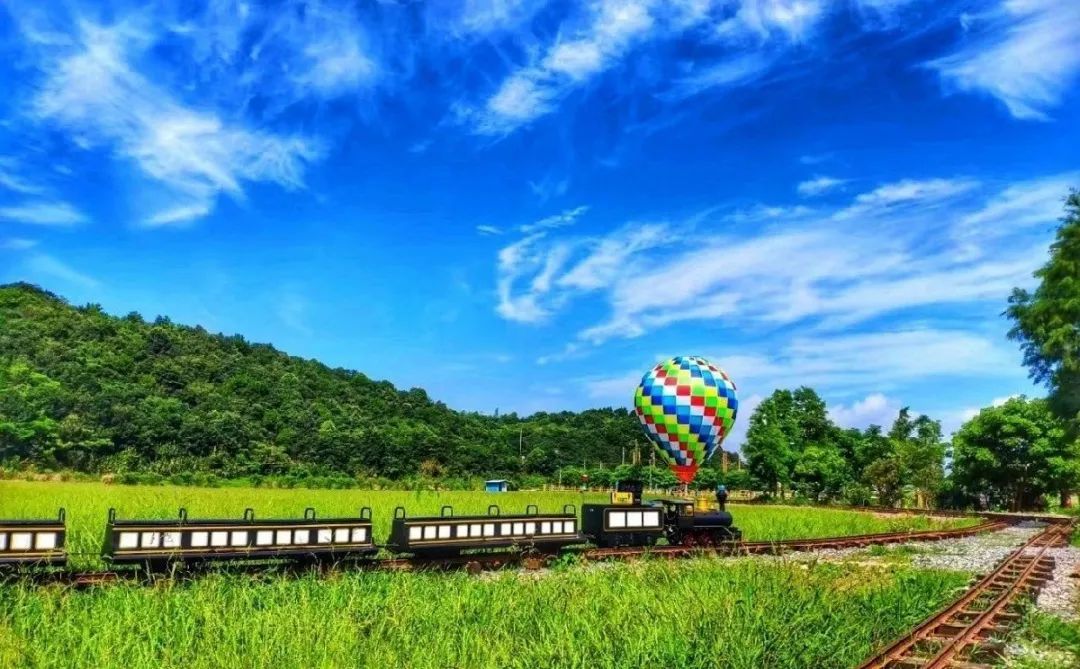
1046 322
822 472
770 445
886 477
1014 454
918 445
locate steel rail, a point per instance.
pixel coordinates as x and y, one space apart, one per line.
956 627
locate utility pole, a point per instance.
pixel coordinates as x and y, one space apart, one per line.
521 455
624 455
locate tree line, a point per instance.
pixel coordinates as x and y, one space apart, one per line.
1009 456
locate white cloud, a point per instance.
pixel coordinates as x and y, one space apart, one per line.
734 71
578 59
872 361
179 215
793 18
568 217
907 192
43 213
48 266
519 100
755 34
1024 54
606 257
599 41
515 261
336 63
892 250
998 401
17 244
1014 211
874 409
93 93
489 230
953 420
819 185
549 187
562 268
472 19
968 414
11 180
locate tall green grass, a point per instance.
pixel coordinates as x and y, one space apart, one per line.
702 613
87 505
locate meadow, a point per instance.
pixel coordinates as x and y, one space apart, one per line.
87 507
708 612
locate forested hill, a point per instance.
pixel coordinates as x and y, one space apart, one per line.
84 390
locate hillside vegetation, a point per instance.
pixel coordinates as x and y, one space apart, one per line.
83 390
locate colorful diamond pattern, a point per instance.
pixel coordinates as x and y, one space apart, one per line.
687 406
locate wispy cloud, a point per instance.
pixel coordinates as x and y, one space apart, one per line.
732 72
179 215
578 54
17 244
815 158
50 267
538 275
921 193
819 185
475 19
94 93
549 187
609 32
1024 54
11 180
43 213
563 219
489 230
895 248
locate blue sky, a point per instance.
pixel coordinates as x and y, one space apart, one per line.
524 205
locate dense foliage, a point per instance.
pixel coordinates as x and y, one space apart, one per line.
792 443
1046 322
1014 454
83 390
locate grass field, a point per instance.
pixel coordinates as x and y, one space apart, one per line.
87 506
739 613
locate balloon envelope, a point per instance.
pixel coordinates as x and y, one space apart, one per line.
687 407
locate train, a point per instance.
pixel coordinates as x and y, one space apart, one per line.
626 521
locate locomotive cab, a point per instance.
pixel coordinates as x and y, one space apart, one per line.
685 525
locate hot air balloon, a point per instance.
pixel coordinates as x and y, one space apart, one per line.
687 406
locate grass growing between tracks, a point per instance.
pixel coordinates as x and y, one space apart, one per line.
87 505
1046 642
740 613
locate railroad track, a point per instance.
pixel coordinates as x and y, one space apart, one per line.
968 634
795 545
476 562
